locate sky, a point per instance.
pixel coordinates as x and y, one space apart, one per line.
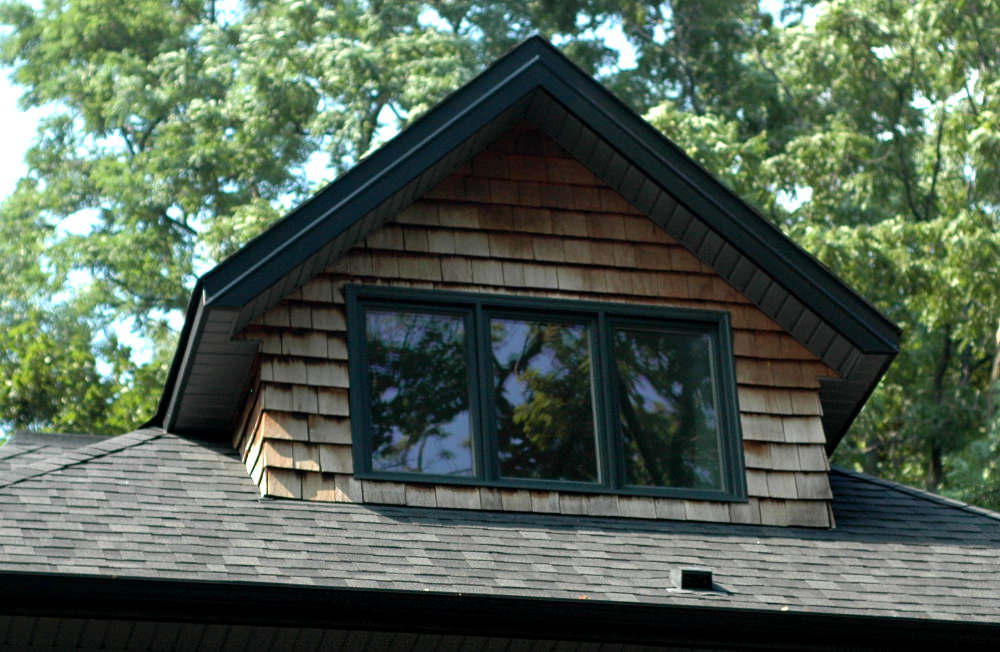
17 128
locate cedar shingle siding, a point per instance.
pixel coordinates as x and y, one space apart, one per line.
523 217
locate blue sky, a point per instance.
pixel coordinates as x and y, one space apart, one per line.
18 129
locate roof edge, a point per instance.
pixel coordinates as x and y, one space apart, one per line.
186 343
726 206
219 281
917 493
276 604
720 204
835 437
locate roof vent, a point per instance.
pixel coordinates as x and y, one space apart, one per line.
692 578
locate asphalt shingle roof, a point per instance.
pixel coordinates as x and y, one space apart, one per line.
25 449
156 505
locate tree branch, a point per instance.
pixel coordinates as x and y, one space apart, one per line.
931 194
972 100
123 130
935 470
178 223
904 170
148 131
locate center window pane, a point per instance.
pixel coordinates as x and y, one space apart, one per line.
667 410
543 398
419 375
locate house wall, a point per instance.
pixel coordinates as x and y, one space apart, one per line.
524 218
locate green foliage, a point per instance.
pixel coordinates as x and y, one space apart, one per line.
868 129
178 133
879 156
906 212
718 144
51 363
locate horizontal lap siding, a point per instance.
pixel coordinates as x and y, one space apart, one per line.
523 218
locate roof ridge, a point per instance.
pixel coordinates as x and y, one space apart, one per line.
85 454
17 451
918 493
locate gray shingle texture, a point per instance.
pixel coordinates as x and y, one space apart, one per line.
155 505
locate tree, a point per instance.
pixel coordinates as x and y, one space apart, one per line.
182 129
907 211
888 169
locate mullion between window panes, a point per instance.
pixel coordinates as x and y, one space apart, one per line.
609 440
489 463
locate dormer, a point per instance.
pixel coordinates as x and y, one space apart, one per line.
530 300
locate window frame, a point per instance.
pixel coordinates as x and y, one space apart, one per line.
599 318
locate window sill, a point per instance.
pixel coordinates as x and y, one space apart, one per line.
555 486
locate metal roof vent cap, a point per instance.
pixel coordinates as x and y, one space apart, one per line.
692 578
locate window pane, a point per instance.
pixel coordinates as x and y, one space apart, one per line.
419 392
667 409
542 392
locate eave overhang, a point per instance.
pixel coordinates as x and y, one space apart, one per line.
533 83
96 599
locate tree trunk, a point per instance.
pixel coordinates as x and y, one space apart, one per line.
994 385
935 470
935 467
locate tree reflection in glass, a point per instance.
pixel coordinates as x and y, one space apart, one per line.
419 377
667 409
542 392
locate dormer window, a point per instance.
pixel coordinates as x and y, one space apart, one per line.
494 390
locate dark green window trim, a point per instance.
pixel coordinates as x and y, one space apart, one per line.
600 317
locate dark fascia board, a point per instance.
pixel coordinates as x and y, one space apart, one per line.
265 604
833 439
187 343
329 213
721 209
535 64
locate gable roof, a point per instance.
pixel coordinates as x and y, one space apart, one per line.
533 83
135 511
